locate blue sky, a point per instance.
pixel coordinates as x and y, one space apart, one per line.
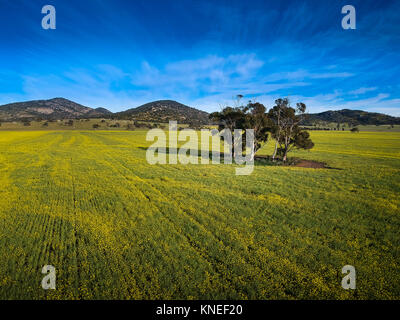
119 54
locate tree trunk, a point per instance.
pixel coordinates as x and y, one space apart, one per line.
285 154
253 155
275 151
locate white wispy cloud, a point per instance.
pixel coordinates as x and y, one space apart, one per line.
362 90
206 83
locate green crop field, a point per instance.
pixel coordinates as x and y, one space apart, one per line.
115 227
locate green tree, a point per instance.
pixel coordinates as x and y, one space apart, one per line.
252 116
275 116
230 119
256 118
285 128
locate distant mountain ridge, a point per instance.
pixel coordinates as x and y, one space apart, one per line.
52 109
163 111
354 117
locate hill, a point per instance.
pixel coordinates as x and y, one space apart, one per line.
163 111
353 117
53 109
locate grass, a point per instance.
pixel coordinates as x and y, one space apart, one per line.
115 227
82 124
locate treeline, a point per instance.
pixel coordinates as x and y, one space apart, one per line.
323 129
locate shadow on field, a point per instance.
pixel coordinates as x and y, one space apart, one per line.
292 162
260 160
197 153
